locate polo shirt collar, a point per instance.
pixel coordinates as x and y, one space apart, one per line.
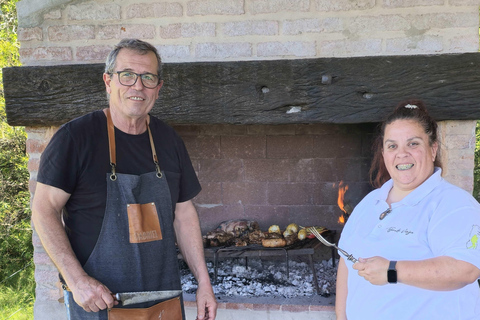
416 195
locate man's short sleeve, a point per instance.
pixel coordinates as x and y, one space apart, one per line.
58 162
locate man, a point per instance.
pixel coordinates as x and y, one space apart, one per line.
124 194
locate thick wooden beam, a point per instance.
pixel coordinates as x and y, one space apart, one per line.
334 90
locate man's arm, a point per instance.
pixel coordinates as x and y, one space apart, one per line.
189 239
47 218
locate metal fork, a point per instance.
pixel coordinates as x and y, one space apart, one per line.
329 244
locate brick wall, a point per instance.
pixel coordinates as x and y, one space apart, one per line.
278 174
296 165
84 31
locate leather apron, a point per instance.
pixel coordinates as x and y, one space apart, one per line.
123 259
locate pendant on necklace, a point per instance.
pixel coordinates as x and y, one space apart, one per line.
384 213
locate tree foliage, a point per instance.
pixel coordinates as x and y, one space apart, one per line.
476 172
15 232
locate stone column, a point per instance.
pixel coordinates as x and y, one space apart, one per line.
457 143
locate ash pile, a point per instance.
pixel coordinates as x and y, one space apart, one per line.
265 278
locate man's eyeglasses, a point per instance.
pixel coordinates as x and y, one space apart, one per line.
128 78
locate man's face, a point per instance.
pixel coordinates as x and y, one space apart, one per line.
132 102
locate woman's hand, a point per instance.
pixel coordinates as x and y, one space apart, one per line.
373 269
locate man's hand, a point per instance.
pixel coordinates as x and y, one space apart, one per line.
206 303
92 295
374 270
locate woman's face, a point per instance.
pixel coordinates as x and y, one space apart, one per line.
407 154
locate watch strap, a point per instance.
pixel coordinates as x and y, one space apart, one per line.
392 272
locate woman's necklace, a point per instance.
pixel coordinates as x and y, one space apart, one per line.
384 213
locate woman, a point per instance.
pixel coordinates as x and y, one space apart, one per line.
416 234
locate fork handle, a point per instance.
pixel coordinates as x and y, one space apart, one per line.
347 255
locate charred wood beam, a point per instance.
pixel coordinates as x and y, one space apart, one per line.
329 90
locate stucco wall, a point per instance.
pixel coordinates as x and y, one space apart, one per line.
65 32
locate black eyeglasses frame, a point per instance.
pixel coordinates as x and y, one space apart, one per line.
137 75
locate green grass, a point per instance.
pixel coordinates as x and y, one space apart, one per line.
17 295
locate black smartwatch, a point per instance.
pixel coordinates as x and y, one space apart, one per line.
392 272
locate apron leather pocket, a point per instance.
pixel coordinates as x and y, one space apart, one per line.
166 310
143 223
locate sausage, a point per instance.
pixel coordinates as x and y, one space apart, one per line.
274 243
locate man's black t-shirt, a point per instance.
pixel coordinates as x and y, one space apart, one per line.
77 161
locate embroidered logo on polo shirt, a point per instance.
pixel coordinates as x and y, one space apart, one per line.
474 235
399 230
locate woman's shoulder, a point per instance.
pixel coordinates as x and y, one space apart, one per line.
450 195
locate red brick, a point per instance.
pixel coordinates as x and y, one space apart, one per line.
325 193
212 216
303 170
233 211
28 34
41 258
318 129
320 215
212 7
268 215
33 164
71 32
46 274
154 10
140 31
46 53
337 146
171 31
266 307
239 306
190 304
275 6
221 170
32 185
318 307
223 50
289 147
211 193
94 11
295 307
35 146
267 169
187 130
203 147
36 242
96 53
244 193
222 129
290 193
244 147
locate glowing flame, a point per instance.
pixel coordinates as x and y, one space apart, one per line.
341 196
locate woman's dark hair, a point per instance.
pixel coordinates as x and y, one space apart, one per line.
407 110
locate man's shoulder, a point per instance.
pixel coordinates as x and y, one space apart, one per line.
89 120
160 126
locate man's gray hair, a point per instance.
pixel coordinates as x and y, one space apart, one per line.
136 45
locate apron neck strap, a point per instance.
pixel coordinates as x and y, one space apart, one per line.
113 151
